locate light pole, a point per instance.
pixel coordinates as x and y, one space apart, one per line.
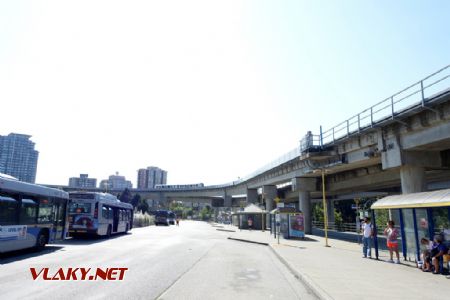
325 212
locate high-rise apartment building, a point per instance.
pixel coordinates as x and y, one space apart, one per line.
142 179
83 182
115 182
148 178
18 157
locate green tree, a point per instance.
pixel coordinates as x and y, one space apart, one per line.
143 206
136 199
205 213
126 196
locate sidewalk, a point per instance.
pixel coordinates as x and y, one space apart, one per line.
340 272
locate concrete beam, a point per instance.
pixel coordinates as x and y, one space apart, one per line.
431 135
304 184
252 195
426 159
371 181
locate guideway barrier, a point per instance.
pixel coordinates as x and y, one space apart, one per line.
340 272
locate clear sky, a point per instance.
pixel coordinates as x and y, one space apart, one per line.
208 90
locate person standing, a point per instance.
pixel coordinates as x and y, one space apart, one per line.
367 231
391 238
250 223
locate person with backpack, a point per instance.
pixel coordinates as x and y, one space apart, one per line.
391 237
367 232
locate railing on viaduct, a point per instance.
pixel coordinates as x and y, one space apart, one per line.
414 96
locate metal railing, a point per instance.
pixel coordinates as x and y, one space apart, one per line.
277 162
310 141
415 95
342 227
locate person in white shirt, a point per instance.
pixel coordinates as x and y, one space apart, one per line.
367 232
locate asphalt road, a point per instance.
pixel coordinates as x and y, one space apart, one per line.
192 261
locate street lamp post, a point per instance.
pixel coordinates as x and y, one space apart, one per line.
325 212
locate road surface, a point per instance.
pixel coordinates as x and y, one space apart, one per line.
192 261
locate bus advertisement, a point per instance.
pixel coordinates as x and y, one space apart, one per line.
98 214
30 215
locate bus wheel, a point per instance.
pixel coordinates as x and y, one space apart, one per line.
108 232
41 241
126 229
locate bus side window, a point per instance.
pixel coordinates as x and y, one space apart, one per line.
104 212
8 210
110 213
28 212
45 211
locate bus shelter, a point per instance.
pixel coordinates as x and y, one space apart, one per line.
417 215
253 212
288 222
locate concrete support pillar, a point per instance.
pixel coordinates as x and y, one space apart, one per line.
304 186
412 178
269 194
252 196
304 202
227 201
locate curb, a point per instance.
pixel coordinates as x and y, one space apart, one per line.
227 230
315 289
248 241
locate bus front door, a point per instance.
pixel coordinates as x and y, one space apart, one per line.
116 219
59 210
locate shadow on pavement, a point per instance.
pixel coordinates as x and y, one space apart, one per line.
89 240
14 256
305 239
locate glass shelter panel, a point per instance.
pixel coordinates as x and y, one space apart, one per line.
441 221
409 238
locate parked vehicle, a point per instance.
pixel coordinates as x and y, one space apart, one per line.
172 218
162 217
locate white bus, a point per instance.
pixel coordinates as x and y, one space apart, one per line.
30 215
98 214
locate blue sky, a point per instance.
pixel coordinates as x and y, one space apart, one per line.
208 90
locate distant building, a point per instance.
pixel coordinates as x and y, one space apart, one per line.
115 182
148 178
142 179
83 182
18 157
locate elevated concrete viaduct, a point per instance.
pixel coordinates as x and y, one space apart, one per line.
406 150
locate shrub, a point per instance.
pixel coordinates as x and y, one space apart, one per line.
143 219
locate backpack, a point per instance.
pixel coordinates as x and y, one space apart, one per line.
394 235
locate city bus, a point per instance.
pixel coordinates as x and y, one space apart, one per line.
98 214
31 215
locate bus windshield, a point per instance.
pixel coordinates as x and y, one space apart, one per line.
80 208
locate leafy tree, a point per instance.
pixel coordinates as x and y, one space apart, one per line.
205 213
136 199
126 196
142 206
187 212
317 212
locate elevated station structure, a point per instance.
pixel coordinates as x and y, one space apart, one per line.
399 145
